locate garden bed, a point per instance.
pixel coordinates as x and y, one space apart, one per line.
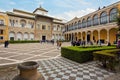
82 54
109 59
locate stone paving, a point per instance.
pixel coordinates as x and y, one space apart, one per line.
17 53
64 69
52 65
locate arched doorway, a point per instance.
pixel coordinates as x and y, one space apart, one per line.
26 36
112 35
19 36
70 36
88 36
83 36
79 36
75 37
95 36
31 36
12 36
103 36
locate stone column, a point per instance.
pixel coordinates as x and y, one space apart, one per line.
98 35
81 36
86 37
92 36
108 36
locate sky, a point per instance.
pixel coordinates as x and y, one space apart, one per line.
63 9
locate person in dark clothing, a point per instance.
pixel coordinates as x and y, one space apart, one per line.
109 44
6 44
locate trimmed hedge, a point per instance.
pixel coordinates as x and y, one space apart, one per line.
82 54
25 41
109 59
64 40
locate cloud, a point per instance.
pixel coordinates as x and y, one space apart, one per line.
2 10
70 3
113 1
71 14
12 3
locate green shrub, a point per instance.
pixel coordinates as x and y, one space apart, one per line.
81 54
24 41
64 40
109 58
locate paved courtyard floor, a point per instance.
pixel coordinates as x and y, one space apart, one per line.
52 65
17 53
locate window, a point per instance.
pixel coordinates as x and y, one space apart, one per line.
1 31
1 22
75 25
12 22
103 18
54 28
71 27
23 23
83 23
48 27
32 25
38 26
89 21
58 27
79 24
12 38
113 14
16 23
1 37
43 27
95 20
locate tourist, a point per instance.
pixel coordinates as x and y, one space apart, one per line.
6 43
59 43
118 43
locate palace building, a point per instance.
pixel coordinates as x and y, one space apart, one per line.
36 25
97 26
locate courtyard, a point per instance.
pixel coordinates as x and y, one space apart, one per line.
52 65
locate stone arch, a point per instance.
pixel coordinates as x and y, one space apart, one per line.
12 35
103 17
79 24
26 36
31 36
95 36
112 14
69 38
83 36
79 35
89 37
76 37
103 36
89 21
112 35
23 22
83 23
19 36
95 20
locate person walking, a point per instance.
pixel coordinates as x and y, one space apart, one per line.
59 43
6 43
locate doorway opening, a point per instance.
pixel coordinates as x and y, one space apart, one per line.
88 37
43 38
